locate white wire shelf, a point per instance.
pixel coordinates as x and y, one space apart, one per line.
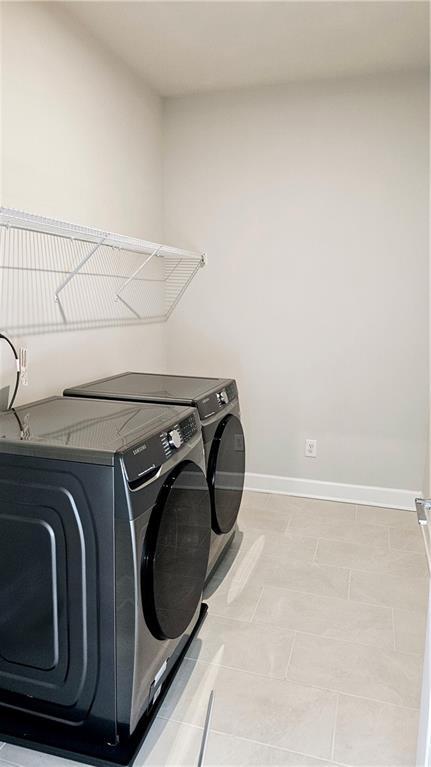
57 276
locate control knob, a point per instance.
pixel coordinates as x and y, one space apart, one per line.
174 438
222 398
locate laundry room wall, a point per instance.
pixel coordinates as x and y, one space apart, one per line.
312 202
81 141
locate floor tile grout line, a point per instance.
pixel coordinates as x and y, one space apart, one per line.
216 731
311 687
379 605
276 747
354 695
394 629
406 551
383 571
257 605
337 703
326 596
355 507
289 660
178 721
229 617
273 746
288 523
388 534
322 637
238 670
384 604
349 585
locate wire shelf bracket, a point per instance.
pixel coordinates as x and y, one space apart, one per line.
57 276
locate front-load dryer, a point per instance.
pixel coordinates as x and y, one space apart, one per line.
105 526
217 403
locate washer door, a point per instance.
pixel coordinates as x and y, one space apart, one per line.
176 550
226 469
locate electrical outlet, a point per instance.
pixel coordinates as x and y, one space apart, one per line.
23 365
310 448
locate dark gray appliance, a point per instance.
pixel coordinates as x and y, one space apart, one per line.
105 526
217 402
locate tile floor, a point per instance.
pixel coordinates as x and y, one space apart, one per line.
313 645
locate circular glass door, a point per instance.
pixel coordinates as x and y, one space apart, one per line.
226 469
176 549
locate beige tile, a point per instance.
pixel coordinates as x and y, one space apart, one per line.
371 734
410 629
243 646
329 617
271 711
409 539
319 526
229 751
232 598
170 744
377 515
251 546
389 589
268 520
253 500
308 577
314 509
26 757
238 552
370 558
282 502
354 669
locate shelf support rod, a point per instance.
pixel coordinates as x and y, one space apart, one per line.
136 272
77 268
183 290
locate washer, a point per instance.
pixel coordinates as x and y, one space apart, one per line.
217 402
105 526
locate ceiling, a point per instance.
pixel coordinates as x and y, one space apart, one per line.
189 47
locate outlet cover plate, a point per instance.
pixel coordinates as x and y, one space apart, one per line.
310 450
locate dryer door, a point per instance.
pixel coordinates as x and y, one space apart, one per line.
226 469
176 549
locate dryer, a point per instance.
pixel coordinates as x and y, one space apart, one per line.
217 402
105 527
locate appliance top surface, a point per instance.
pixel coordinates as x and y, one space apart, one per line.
184 389
82 429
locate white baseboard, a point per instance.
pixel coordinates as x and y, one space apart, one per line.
333 491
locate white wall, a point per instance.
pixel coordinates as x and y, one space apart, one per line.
81 141
311 201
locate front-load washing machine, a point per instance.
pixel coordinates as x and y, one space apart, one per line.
217 402
105 526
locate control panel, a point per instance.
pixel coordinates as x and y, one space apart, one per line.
216 401
179 434
232 391
222 398
144 459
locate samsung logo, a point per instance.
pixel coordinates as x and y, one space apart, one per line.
139 449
